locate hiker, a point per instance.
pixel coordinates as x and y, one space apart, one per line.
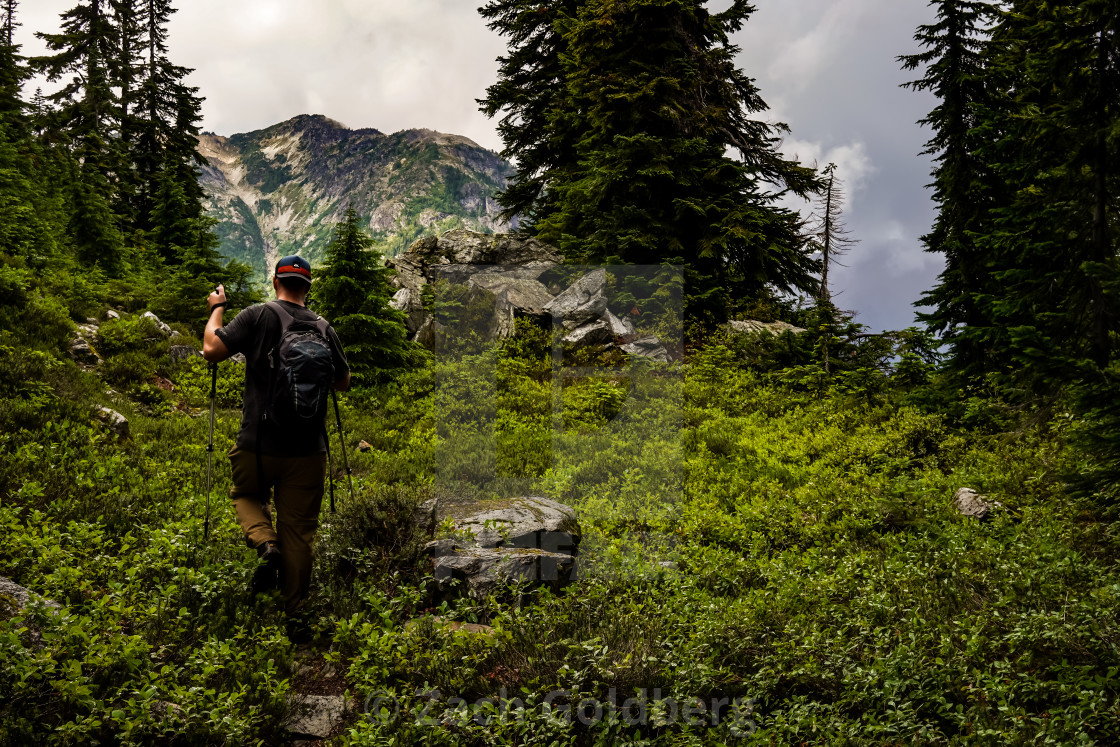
280 446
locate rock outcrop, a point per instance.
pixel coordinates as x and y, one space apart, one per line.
750 326
511 271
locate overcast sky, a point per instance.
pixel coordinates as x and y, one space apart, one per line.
826 67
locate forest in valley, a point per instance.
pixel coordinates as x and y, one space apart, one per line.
774 545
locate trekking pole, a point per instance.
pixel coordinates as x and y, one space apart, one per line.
342 441
210 448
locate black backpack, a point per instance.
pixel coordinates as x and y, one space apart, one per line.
301 373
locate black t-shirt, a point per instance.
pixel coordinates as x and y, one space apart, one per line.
255 332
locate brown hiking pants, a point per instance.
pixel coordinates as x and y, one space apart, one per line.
297 495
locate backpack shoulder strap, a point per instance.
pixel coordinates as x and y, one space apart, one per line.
282 314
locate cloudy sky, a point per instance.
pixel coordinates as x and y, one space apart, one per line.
826 67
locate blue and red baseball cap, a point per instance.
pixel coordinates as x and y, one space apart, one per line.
294 266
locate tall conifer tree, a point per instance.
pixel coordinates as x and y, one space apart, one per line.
627 111
353 292
87 115
955 66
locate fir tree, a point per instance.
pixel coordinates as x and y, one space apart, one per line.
353 292
87 115
1052 245
625 112
956 71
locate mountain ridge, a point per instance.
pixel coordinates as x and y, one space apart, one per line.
281 189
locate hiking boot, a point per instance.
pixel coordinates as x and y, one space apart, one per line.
266 577
298 630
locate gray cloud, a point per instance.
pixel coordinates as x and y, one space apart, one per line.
826 67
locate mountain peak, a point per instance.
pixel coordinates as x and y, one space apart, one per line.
281 189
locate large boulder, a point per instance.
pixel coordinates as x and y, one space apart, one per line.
531 521
13 597
529 540
484 571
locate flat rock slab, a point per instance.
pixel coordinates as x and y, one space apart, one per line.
315 716
751 326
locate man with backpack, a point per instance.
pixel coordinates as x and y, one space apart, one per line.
293 358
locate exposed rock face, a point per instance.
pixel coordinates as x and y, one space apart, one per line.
506 266
973 505
750 326
531 540
513 270
16 597
82 352
281 190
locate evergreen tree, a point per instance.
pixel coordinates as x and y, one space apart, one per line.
87 115
125 69
956 71
1052 245
621 114
353 292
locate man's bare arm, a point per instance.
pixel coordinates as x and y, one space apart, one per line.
213 349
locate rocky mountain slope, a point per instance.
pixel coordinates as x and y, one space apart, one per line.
280 190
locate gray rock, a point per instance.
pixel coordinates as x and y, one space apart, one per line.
425 516
238 358
16 597
583 301
529 540
487 571
175 333
527 522
111 314
180 353
91 320
82 352
648 347
315 716
155 319
408 301
117 423
973 505
592 333
750 326
623 328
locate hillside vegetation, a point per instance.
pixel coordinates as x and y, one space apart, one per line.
802 560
